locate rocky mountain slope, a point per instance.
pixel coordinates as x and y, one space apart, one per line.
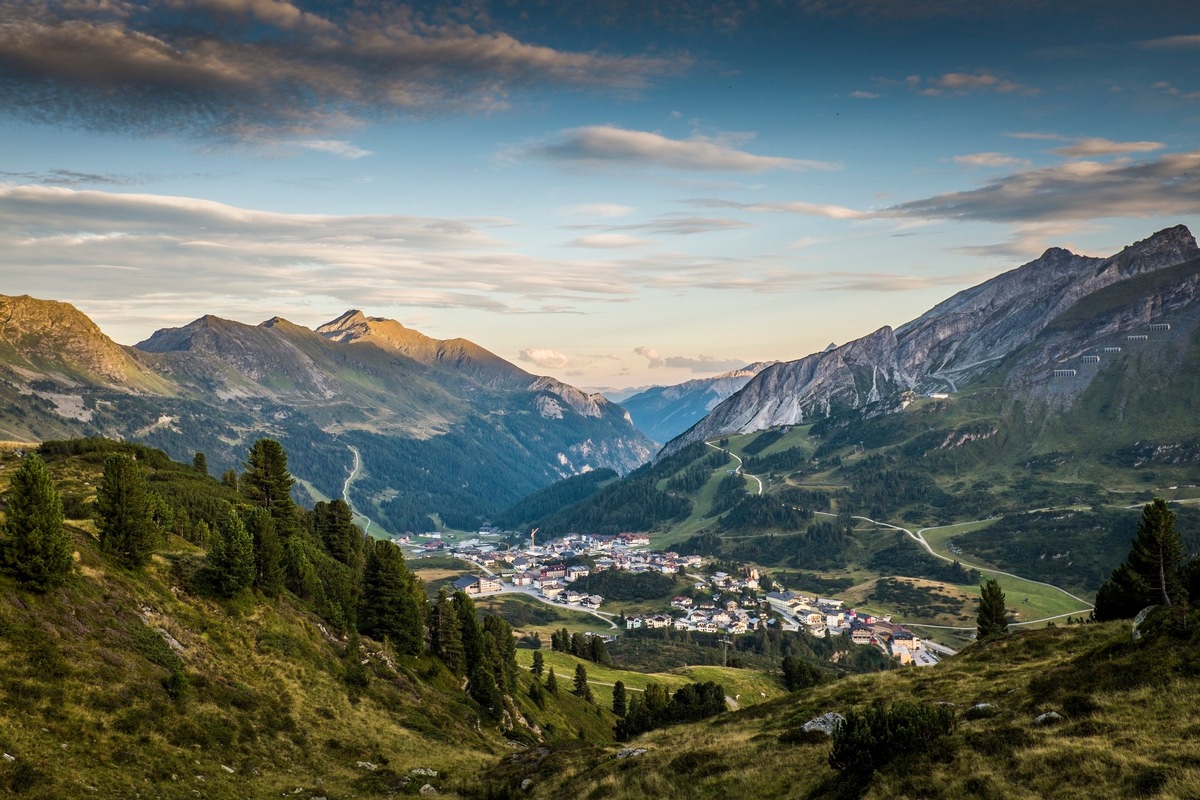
430 419
950 346
664 412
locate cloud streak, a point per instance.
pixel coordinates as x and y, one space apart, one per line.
606 145
1095 146
257 69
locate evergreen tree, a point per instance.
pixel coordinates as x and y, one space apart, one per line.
200 463
551 682
1157 553
799 674
334 525
268 552
35 547
619 699
123 511
445 634
393 602
231 557
230 478
537 694
581 683
992 620
200 534
266 483
538 663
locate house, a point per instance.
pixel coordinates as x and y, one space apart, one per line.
860 635
477 584
553 572
632 623
551 591
575 573
681 602
523 579
574 598
593 601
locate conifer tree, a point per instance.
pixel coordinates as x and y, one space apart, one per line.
1157 553
581 683
268 552
34 546
445 637
334 524
538 663
619 699
266 483
393 602
992 620
551 682
123 511
231 557
200 463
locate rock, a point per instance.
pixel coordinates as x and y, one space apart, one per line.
525 784
424 772
367 765
427 789
827 723
230 770
631 752
1138 620
1049 718
7 757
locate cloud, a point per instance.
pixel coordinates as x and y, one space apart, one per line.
604 144
239 70
1078 190
1106 147
1184 40
991 160
608 241
860 95
1038 136
544 357
958 83
826 210
651 355
704 364
68 177
335 147
599 210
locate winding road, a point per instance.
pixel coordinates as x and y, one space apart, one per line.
346 489
738 468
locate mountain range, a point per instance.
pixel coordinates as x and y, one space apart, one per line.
431 420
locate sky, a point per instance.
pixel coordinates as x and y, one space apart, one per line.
615 192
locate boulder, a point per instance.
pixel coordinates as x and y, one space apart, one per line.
827 723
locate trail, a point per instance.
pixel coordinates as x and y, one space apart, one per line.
738 468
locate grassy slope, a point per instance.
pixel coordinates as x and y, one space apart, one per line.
1126 732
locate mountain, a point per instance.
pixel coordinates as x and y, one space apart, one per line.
440 429
948 347
664 412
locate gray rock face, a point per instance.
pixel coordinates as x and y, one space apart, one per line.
953 343
1049 718
827 723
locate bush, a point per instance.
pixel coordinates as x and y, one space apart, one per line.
873 737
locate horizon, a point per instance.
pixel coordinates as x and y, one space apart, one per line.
618 199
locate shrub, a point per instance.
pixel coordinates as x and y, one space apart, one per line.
873 737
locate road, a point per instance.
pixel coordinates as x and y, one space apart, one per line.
738 468
346 488
529 591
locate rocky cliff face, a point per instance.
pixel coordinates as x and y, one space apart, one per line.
944 349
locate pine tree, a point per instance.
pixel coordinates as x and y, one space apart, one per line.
123 511
334 524
230 479
619 699
231 557
35 547
268 552
538 663
551 682
581 683
266 483
1157 553
445 636
200 463
992 620
393 602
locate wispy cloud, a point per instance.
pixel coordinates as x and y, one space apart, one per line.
335 147
861 95
598 210
1097 146
960 83
826 210
654 360
605 144
253 69
991 160
1182 40
608 241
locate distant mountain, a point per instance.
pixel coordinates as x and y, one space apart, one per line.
664 412
443 428
953 344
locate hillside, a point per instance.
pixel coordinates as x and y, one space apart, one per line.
429 419
664 412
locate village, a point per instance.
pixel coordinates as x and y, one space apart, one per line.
721 603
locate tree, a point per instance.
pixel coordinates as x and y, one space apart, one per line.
267 483
200 463
268 552
445 636
334 524
551 682
123 509
992 620
581 683
799 674
393 601
619 699
1157 553
538 663
35 547
231 557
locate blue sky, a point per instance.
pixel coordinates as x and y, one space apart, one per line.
614 193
